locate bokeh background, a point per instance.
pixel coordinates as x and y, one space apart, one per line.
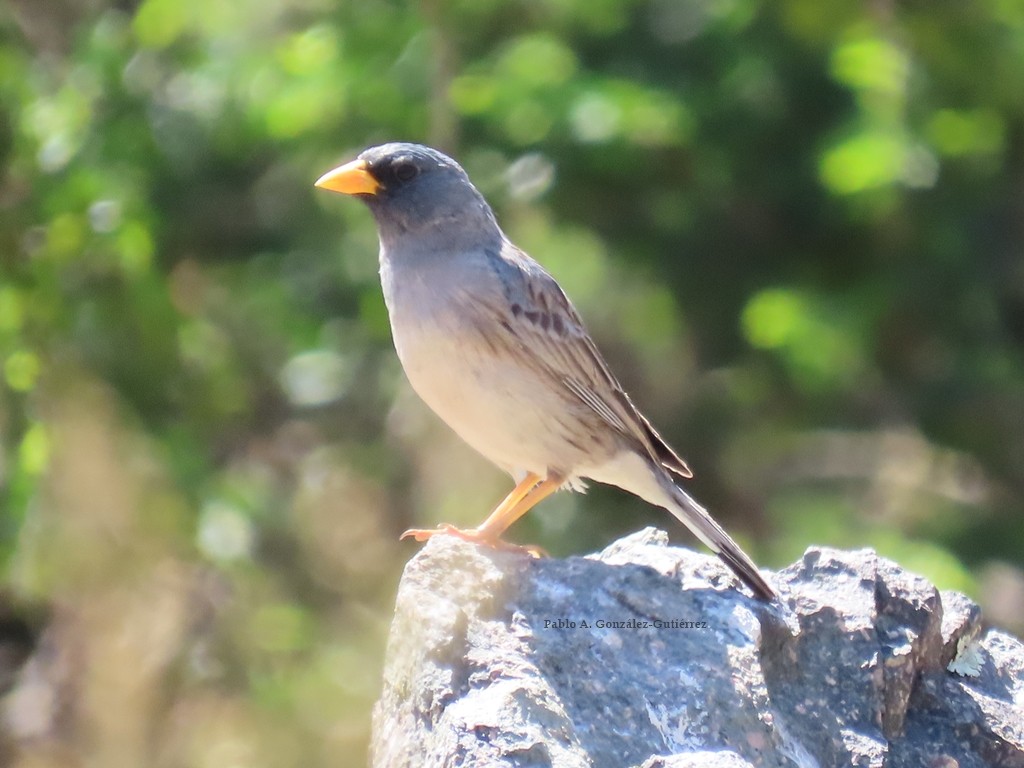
795 228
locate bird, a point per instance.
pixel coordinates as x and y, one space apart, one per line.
492 344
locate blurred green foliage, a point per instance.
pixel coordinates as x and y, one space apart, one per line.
796 228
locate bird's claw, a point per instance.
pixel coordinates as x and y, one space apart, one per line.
473 536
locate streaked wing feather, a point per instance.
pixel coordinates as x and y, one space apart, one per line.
554 336
596 404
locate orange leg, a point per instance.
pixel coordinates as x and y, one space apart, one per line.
519 501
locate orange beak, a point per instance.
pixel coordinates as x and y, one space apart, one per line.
349 179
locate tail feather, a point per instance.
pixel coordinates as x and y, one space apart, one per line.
697 519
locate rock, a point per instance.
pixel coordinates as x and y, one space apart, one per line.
652 656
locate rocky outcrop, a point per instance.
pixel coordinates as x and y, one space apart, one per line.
650 655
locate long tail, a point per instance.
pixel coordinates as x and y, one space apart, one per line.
697 519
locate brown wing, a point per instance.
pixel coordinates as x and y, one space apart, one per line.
555 337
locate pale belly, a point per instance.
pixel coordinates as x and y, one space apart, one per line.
492 405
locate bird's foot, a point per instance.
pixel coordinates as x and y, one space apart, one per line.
474 536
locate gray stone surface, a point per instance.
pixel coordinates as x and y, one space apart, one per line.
649 656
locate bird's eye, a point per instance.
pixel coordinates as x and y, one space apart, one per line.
406 171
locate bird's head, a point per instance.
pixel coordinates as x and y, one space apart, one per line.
412 189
